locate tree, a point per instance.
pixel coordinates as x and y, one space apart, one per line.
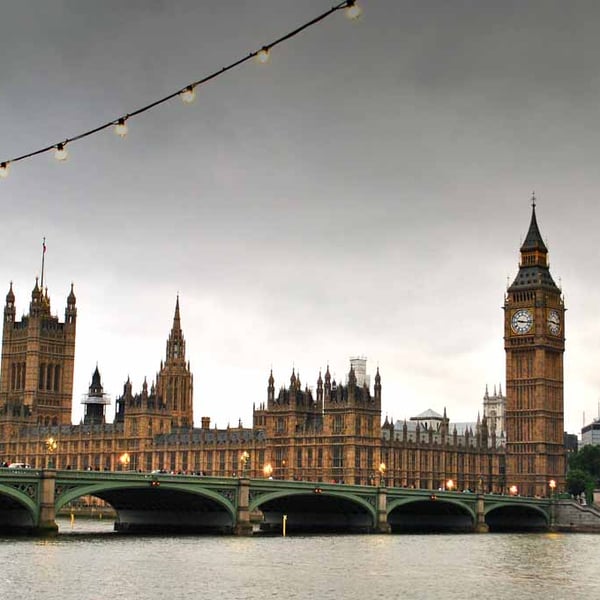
578 481
587 459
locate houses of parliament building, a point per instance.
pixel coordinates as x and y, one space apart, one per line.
332 432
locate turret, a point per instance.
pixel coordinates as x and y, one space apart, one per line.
327 387
95 401
176 342
320 391
271 389
9 307
351 377
35 306
377 388
174 382
484 432
71 310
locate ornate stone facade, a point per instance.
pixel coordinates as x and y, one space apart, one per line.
534 340
332 434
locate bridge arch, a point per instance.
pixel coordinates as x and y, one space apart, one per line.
318 510
154 505
18 510
430 514
505 516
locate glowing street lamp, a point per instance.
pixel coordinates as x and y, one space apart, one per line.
244 457
382 468
268 470
125 459
514 490
51 446
450 485
552 484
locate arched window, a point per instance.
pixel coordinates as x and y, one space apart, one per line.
49 377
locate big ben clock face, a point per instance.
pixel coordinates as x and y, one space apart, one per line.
521 321
554 322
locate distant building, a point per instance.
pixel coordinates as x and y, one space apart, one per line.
494 410
590 434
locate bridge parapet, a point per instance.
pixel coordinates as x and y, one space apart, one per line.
230 502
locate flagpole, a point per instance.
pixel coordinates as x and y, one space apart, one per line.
43 255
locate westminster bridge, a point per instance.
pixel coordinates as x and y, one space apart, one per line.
30 499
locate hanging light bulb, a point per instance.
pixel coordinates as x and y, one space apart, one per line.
121 128
60 153
263 55
4 170
353 10
188 94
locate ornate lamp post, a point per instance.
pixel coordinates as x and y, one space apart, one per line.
125 459
51 446
268 470
552 484
382 468
244 458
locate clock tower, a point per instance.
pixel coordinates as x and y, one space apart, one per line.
534 340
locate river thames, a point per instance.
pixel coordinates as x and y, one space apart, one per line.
87 561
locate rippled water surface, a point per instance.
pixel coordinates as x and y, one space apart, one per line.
82 565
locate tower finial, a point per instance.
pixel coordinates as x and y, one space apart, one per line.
176 317
533 199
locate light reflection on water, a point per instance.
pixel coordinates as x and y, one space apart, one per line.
79 564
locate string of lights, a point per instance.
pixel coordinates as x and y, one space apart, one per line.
187 93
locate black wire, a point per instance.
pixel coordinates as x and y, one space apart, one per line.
193 85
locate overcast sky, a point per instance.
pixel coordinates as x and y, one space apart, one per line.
365 193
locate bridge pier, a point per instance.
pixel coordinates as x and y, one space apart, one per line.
46 522
242 514
480 525
382 521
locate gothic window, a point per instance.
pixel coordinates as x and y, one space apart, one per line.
338 423
338 456
56 378
48 377
41 376
280 457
